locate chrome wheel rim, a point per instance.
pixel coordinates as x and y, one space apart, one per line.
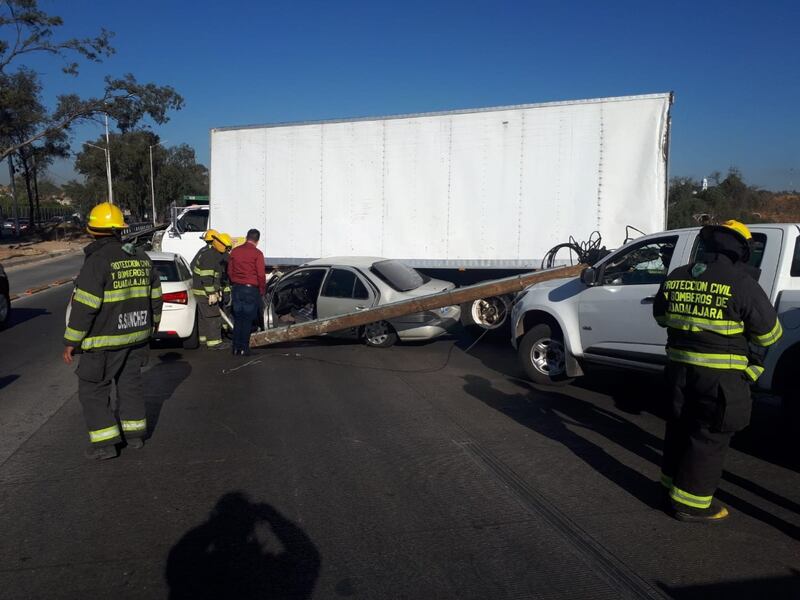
548 357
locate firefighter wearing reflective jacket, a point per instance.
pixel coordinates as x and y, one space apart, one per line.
712 309
207 286
115 308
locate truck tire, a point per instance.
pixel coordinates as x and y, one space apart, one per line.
543 354
485 313
380 335
193 341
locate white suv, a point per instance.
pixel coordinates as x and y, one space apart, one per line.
605 315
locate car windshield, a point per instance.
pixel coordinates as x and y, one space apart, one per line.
401 277
167 270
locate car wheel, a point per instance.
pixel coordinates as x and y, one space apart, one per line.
193 341
380 335
544 356
5 309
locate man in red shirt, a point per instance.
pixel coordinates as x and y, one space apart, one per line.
248 276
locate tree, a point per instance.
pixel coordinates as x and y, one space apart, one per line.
176 172
25 30
730 198
23 112
178 175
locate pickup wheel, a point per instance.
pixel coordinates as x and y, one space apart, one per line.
544 356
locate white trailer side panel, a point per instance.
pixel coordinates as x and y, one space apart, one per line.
494 187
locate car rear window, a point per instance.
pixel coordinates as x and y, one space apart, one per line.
401 277
167 270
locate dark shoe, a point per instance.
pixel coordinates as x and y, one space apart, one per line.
101 452
220 346
713 514
136 443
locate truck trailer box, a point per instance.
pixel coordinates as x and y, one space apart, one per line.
484 188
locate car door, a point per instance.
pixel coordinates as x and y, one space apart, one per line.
344 291
186 238
293 293
616 318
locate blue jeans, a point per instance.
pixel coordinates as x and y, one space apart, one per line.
246 304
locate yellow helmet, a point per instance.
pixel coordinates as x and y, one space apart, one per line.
105 218
209 235
222 242
739 228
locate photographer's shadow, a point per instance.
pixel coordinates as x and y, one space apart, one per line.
246 551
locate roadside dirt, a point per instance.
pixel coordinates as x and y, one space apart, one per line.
37 248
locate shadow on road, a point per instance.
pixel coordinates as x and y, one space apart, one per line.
21 315
7 380
161 381
555 415
767 438
245 550
776 588
552 415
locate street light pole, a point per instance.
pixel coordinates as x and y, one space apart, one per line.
108 164
14 194
108 168
152 180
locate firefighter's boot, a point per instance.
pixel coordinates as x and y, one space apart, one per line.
101 452
136 443
713 514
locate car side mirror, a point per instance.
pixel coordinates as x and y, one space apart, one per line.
590 276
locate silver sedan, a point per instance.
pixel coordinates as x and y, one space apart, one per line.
329 287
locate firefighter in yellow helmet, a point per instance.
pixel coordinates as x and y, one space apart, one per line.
114 310
712 309
207 286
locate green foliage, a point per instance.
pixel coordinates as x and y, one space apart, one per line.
176 173
728 198
25 30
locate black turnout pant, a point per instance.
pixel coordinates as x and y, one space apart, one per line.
707 407
96 371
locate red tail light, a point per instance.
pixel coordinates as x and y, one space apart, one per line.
176 297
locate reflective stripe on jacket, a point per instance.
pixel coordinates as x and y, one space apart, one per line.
117 298
206 272
712 311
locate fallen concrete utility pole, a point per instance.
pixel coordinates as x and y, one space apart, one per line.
487 289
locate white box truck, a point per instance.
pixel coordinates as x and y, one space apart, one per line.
490 188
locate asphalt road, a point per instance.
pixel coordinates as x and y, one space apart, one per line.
35 275
333 470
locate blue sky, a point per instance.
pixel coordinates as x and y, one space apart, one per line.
734 66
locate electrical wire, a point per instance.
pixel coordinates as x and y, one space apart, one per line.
338 363
586 252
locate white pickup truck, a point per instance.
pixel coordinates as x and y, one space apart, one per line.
605 316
